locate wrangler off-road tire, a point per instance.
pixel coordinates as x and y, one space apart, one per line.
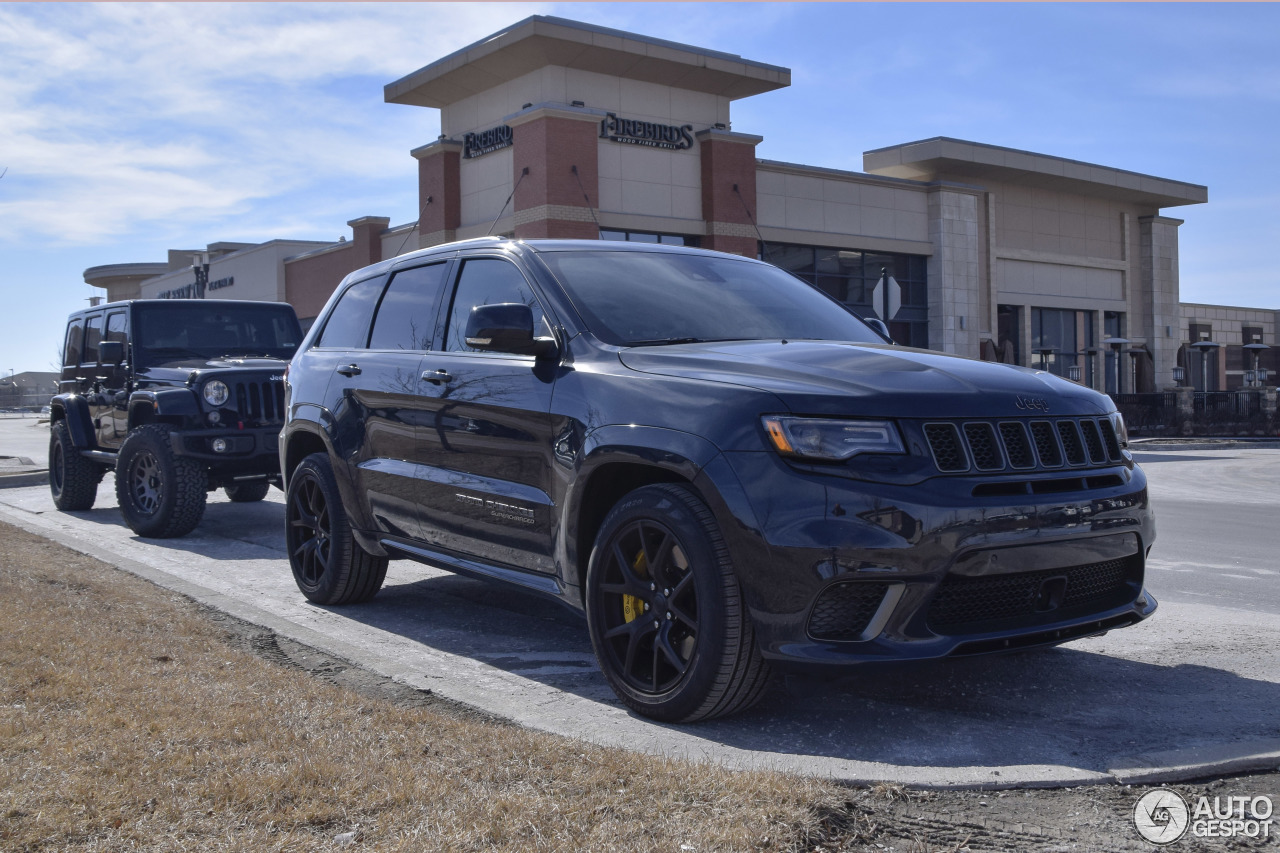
246 493
161 494
73 480
328 564
665 610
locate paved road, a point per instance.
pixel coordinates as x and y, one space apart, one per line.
1198 683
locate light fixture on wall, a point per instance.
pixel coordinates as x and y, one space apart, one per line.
1179 375
1257 348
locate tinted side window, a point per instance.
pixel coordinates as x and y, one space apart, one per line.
116 328
487 281
92 337
407 314
348 325
75 336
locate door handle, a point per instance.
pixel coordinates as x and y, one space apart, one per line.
349 370
439 376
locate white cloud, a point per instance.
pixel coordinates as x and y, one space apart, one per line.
121 117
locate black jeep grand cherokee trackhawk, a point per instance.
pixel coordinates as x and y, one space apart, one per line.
723 467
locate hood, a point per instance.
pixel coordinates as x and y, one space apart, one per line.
830 377
181 369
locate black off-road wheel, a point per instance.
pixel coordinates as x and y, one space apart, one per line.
665 610
328 564
246 493
161 494
73 480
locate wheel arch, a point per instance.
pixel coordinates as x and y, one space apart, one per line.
73 409
302 441
640 457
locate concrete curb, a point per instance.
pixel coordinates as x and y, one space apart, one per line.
24 478
1203 443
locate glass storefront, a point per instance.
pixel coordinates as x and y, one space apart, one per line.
648 237
872 284
1062 338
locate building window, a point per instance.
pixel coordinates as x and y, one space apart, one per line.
872 284
649 237
1060 339
1113 328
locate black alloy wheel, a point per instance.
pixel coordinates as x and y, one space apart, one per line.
161 494
665 611
329 566
649 606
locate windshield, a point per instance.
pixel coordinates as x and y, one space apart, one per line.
209 330
647 298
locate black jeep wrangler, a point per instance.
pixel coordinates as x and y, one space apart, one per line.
718 464
179 397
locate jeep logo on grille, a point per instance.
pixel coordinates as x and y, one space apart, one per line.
1039 404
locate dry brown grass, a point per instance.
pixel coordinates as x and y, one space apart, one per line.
127 721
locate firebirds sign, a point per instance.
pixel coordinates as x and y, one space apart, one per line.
635 132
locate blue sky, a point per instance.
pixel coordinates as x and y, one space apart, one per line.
128 130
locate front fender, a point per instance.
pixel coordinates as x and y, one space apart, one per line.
170 404
671 454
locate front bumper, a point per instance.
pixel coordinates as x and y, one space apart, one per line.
838 571
250 450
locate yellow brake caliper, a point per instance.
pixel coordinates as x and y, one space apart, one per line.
633 607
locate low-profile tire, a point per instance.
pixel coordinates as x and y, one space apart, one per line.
328 564
246 493
73 480
665 611
161 494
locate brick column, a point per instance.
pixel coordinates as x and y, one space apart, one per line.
1158 271
955 280
439 192
729 161
366 239
549 202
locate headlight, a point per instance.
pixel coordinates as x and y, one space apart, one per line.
831 440
1122 432
216 392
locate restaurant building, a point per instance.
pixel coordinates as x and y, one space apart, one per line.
554 128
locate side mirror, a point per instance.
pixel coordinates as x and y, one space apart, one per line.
880 328
111 352
507 327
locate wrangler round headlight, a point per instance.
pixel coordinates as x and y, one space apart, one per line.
831 440
216 392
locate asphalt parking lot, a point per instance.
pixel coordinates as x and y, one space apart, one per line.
1189 693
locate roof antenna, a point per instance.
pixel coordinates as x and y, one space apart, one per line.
574 169
523 172
421 213
759 236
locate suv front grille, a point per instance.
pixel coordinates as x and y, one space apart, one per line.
967 605
994 446
259 402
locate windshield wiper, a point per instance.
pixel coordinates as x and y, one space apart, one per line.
657 342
